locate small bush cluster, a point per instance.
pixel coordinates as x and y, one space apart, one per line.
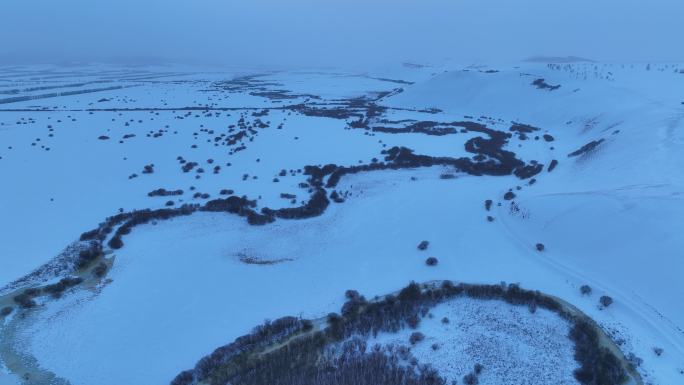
352 294
432 261
528 171
25 300
472 377
90 235
188 166
56 289
552 165
543 85
161 192
423 245
88 255
585 290
240 206
416 337
605 301
509 195
314 207
336 197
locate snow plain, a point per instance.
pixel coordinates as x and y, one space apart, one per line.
611 218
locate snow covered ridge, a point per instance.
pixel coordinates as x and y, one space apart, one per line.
360 345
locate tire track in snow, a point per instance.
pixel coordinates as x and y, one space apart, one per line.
636 308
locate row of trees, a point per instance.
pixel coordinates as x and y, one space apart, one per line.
303 358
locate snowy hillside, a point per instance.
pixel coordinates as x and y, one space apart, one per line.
189 205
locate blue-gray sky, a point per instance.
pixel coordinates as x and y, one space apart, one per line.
341 32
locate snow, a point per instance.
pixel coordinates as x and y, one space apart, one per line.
6 379
513 345
611 218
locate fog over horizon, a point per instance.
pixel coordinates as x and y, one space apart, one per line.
338 33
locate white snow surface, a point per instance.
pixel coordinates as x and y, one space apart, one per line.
611 218
513 345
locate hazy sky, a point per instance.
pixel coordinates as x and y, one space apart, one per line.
334 32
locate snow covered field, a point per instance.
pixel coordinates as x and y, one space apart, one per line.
505 339
609 217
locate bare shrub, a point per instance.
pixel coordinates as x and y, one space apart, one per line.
606 301
423 245
585 290
432 261
416 337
